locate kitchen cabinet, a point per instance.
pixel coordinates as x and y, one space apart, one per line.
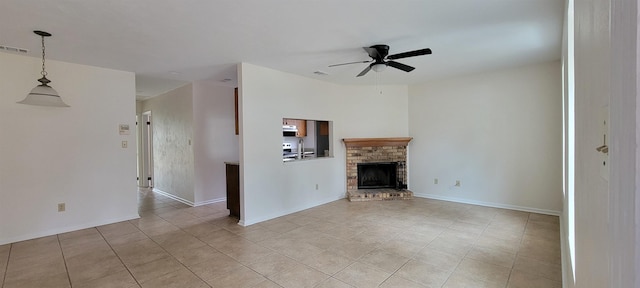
323 128
233 189
300 124
302 128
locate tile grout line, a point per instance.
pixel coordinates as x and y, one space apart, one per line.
394 273
116 253
465 255
519 246
537 275
412 257
275 251
169 253
64 260
207 244
297 261
6 268
473 245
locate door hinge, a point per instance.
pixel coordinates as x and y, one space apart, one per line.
148 122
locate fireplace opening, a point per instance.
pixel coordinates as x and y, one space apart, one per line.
377 175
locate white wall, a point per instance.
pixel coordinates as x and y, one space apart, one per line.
499 133
172 125
73 155
214 139
270 188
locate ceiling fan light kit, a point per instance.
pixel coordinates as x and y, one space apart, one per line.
379 67
381 59
43 94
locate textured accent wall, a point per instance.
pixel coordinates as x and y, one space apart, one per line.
172 122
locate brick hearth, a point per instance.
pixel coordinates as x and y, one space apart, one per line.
370 150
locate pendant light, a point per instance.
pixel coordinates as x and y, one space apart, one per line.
43 94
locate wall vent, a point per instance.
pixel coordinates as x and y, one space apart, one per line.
13 49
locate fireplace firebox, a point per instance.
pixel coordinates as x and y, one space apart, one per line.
377 175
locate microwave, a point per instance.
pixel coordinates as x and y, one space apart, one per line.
289 130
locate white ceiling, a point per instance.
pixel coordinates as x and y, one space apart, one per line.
168 43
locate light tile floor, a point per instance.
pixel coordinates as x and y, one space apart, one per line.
404 243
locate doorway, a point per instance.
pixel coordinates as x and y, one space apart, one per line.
146 133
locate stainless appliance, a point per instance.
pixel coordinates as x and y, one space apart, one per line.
289 130
287 155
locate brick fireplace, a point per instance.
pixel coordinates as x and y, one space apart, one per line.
377 150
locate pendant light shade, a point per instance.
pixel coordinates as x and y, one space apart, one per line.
43 94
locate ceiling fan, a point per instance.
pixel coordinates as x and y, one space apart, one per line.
381 59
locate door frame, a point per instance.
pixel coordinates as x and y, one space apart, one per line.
146 135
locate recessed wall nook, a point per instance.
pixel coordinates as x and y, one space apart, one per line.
377 168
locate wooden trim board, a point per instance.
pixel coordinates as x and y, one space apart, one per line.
376 142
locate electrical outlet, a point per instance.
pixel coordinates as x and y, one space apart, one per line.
435 180
61 207
457 183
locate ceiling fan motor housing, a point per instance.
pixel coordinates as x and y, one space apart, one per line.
383 51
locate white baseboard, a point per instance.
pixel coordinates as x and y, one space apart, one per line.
66 229
217 200
188 202
488 204
174 197
247 222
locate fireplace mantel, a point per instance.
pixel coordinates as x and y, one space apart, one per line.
376 142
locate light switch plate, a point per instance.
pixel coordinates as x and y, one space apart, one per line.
125 144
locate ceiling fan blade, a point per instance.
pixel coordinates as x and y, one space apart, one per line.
357 62
365 71
373 52
420 52
403 67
